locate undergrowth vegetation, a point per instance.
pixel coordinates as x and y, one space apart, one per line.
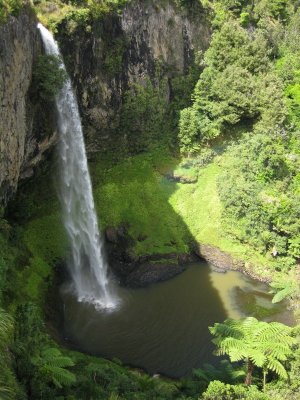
10 7
77 13
236 186
48 76
134 194
242 89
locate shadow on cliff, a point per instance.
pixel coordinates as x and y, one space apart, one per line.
147 240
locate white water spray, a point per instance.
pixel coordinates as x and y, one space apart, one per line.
87 264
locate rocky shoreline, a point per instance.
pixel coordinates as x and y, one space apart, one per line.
137 272
223 262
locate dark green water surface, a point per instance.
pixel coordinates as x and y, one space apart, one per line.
164 328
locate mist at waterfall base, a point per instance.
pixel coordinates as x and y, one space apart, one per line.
87 263
164 328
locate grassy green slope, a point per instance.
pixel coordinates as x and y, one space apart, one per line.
161 215
40 237
133 194
200 207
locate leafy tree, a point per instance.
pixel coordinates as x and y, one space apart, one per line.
237 86
261 344
250 13
276 9
258 188
233 45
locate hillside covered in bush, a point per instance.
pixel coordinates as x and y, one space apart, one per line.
191 116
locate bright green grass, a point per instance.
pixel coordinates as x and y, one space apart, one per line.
45 238
200 208
41 236
134 195
162 216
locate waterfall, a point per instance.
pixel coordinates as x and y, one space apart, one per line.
87 263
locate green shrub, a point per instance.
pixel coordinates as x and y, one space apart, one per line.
10 7
259 12
143 114
48 76
220 391
237 86
114 57
257 189
101 7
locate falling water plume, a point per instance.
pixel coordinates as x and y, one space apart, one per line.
87 263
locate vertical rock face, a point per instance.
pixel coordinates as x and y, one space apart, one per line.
20 145
118 50
161 33
103 59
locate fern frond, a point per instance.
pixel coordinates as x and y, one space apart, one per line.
280 285
6 326
6 393
280 351
266 331
276 366
283 294
53 356
201 374
60 376
52 363
228 328
257 357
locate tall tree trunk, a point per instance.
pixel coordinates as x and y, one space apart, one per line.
250 367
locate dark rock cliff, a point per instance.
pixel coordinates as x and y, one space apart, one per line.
104 58
22 136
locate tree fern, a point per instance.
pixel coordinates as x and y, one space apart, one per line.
258 343
276 366
60 376
52 365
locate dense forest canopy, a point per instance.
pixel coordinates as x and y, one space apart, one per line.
234 117
248 89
